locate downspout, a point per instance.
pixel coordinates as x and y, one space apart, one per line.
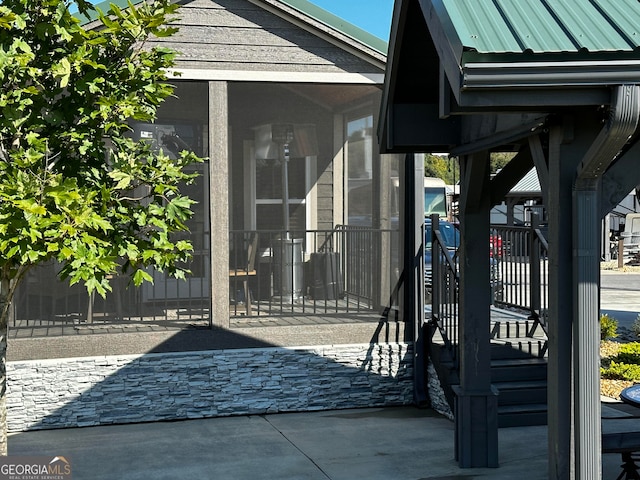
624 115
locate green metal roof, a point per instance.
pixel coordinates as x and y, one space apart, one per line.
545 26
337 23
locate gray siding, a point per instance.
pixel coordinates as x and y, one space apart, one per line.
325 197
238 35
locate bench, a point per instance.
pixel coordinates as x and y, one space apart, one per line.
621 434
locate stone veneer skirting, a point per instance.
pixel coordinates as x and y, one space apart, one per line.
76 392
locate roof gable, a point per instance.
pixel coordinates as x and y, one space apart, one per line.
304 14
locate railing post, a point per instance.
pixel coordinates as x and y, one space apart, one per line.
436 269
534 266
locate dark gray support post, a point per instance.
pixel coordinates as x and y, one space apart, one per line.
562 168
586 227
624 116
413 248
476 405
219 203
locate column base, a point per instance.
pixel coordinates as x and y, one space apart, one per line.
476 428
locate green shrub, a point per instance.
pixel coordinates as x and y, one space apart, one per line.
621 371
608 327
628 353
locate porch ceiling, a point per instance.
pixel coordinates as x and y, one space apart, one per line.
333 97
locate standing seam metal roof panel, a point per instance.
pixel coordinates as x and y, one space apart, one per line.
480 26
587 27
546 26
533 26
625 17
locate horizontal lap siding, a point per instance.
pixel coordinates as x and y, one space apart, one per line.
237 35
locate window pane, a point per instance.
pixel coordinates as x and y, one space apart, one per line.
269 179
360 170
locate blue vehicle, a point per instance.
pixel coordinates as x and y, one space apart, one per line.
451 238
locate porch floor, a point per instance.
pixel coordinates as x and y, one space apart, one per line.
66 327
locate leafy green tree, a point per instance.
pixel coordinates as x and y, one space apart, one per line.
442 167
74 187
499 160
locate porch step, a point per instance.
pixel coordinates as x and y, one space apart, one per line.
521 392
524 328
522 415
515 348
515 369
518 372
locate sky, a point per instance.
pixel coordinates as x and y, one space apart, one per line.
374 16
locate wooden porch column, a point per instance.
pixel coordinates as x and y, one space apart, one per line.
219 203
412 290
563 161
476 405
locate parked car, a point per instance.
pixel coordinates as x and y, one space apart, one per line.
451 238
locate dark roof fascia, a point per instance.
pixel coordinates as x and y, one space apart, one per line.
398 20
446 41
524 99
553 74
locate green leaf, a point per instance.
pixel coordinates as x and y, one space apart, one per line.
141 276
63 72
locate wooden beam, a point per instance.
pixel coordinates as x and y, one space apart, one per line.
415 127
541 163
475 179
621 178
510 175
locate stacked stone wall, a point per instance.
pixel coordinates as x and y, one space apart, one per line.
76 392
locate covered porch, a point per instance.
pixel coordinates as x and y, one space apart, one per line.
558 85
296 220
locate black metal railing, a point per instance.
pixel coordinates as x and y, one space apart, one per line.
519 278
522 270
444 291
337 272
343 270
